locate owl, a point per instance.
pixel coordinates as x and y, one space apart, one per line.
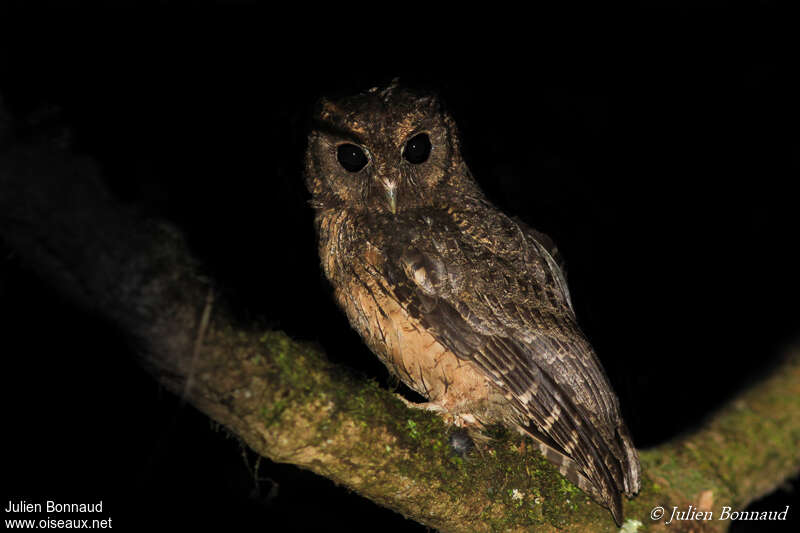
464 304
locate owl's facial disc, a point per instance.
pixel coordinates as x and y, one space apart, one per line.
385 152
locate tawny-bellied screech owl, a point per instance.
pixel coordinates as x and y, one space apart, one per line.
467 306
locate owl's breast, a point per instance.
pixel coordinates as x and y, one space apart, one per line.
363 288
409 350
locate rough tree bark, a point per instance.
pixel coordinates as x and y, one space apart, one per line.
290 404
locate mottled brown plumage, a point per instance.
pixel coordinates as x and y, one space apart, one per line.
467 306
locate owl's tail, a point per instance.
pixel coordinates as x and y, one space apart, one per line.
631 470
602 484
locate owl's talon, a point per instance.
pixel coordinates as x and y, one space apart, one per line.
427 406
461 442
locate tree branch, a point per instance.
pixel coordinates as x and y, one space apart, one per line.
290 404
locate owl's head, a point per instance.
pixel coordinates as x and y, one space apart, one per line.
384 151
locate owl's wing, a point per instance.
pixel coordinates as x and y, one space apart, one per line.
537 357
553 261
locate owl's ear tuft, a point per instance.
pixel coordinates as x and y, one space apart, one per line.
452 128
387 91
325 109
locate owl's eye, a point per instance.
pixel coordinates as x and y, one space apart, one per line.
351 157
417 149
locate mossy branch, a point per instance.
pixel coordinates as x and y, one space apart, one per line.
290 404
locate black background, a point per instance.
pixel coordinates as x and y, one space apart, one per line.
664 170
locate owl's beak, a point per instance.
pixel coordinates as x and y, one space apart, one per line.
391 195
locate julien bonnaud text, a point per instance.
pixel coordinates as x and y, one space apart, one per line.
53 507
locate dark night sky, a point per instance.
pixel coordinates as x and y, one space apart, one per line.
665 172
